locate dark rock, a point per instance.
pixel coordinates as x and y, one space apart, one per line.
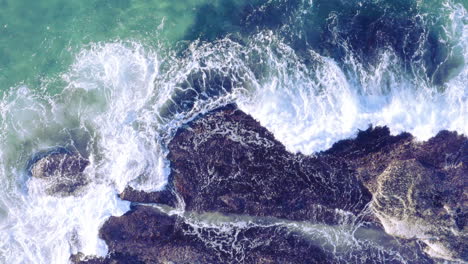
166 196
226 162
369 153
419 188
61 169
145 235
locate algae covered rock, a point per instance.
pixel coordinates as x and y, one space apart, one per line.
409 204
419 188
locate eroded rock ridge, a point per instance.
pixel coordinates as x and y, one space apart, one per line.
235 195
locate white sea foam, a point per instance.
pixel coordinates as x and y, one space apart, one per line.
122 75
46 229
307 118
101 113
314 107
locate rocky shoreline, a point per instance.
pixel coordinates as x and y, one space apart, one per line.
236 195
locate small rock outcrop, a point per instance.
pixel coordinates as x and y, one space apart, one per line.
166 196
61 170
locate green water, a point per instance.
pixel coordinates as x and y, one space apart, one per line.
38 39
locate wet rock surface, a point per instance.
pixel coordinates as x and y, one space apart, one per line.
166 196
419 189
225 162
61 170
145 235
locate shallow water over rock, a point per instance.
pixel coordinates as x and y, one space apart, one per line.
62 171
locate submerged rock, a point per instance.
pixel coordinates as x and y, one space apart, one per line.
61 170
